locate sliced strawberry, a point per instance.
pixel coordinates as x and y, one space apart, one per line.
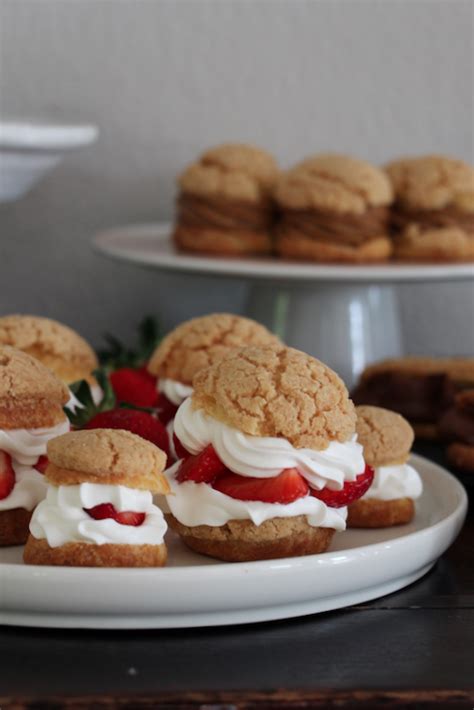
7 475
42 464
107 510
128 517
166 409
204 467
181 452
135 387
284 488
141 423
352 490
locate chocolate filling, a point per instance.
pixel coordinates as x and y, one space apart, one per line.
331 227
425 220
199 212
419 398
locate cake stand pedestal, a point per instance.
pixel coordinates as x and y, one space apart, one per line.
347 316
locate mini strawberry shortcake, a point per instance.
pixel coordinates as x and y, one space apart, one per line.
196 344
98 510
31 413
57 346
269 457
387 438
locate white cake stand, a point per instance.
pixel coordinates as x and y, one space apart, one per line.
345 315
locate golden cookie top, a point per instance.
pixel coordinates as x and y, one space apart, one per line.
201 342
231 171
58 347
334 183
31 396
111 456
283 393
432 182
385 435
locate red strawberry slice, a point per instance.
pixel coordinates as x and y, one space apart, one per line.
287 487
143 424
204 467
7 475
181 452
166 409
42 464
107 510
135 387
351 491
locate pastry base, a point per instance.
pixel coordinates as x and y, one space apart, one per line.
242 541
372 513
224 242
298 246
83 554
14 526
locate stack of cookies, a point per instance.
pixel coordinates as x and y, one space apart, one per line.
329 208
224 204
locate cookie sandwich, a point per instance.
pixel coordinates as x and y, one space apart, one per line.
194 345
98 510
57 346
31 413
333 208
456 427
387 439
270 457
419 388
224 204
433 214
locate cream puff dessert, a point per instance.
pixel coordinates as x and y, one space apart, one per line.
57 346
98 510
387 439
194 345
31 413
269 457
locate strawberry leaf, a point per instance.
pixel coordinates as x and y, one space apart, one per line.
88 408
117 355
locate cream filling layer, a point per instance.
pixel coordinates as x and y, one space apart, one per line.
392 482
266 457
25 446
60 518
175 391
199 504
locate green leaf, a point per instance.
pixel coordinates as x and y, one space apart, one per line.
117 355
88 409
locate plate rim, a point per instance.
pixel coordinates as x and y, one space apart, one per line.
264 267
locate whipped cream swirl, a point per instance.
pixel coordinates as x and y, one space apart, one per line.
175 391
199 504
25 446
60 518
398 481
266 457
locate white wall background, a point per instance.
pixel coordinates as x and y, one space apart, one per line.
164 79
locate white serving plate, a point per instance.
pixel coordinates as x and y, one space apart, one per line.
151 245
197 591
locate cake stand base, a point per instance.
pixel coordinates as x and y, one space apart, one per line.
346 326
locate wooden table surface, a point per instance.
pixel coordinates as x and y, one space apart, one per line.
411 649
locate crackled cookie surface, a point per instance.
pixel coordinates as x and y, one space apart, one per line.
281 393
385 435
58 347
203 341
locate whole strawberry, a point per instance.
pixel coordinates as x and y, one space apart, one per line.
138 422
135 387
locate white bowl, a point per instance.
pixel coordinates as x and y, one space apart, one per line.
29 151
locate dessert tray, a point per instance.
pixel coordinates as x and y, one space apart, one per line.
194 590
333 312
